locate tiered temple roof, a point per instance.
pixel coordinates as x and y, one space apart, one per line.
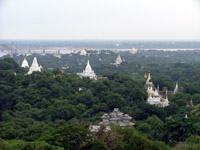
117 117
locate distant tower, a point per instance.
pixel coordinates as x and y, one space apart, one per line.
43 51
58 51
15 50
29 50
158 88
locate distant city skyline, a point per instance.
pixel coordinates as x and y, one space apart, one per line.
100 19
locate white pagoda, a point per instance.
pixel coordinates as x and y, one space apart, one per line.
176 89
34 66
25 63
118 60
88 72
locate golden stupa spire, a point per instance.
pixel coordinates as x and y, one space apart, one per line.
150 94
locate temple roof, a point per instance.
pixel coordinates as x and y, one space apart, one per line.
117 117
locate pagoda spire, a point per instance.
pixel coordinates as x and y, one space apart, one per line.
166 95
158 88
35 66
25 63
150 95
176 88
186 116
149 76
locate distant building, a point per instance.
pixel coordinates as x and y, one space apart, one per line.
57 55
76 52
133 51
25 63
116 117
35 66
92 49
88 72
83 52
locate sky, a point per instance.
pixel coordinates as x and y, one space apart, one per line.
100 19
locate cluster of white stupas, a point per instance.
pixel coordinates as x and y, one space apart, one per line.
87 72
155 98
34 67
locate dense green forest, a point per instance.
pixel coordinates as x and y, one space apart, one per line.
53 110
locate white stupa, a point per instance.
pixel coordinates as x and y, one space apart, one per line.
118 60
176 89
88 72
34 66
25 63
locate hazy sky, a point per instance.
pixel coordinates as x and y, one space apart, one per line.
100 19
